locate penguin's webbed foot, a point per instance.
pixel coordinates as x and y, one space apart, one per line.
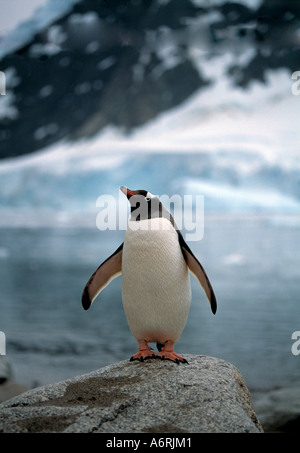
172 356
143 356
167 353
144 352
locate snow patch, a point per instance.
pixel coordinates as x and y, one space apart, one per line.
42 132
46 91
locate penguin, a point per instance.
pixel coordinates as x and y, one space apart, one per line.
155 263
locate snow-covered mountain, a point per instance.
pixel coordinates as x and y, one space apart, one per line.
78 66
173 96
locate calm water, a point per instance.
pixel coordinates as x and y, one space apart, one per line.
253 264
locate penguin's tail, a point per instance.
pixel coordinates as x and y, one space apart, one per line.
159 346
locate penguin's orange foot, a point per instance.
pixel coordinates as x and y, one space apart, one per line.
172 356
144 352
143 355
167 353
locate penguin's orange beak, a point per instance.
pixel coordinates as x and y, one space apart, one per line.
129 193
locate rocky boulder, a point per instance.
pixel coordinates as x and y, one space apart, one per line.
206 395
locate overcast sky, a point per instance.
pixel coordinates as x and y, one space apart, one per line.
13 12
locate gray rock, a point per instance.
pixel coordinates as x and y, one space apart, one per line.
10 389
279 409
5 369
205 395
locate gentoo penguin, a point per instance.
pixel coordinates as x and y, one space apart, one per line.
154 261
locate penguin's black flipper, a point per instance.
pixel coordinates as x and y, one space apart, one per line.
106 272
198 271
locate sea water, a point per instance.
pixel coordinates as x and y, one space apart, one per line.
251 260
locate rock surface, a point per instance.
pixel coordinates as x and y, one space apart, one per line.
5 369
10 389
205 395
279 409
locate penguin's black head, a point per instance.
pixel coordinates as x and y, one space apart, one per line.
132 193
144 205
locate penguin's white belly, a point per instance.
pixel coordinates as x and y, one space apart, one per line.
156 288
